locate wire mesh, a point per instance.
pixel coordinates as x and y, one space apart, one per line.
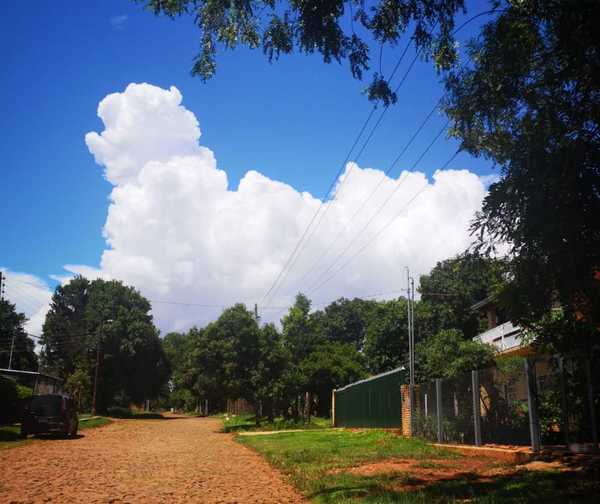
503 403
457 410
424 413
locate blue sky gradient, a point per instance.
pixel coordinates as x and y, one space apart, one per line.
293 121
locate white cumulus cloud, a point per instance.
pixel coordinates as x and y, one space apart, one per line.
30 295
177 231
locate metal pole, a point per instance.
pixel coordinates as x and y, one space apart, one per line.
12 346
412 330
408 325
438 403
476 407
534 424
96 379
563 400
590 390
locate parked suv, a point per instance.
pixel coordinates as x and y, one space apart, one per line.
53 413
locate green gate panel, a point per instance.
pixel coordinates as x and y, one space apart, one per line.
374 402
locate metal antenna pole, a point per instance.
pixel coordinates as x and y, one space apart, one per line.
409 326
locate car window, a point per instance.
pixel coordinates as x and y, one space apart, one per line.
49 405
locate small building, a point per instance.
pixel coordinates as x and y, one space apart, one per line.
502 333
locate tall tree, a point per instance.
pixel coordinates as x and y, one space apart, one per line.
454 285
529 101
345 321
330 366
13 335
109 323
386 342
338 30
301 332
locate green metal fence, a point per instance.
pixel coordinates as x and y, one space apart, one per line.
374 402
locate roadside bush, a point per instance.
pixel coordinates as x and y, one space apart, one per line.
12 397
119 412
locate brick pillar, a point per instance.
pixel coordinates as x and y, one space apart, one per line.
406 410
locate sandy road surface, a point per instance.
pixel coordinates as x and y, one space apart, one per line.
172 460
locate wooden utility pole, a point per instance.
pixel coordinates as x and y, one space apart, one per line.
96 379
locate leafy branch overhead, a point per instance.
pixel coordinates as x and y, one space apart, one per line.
342 31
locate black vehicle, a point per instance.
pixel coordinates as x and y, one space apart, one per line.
53 413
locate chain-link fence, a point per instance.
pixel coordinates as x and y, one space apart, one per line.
537 401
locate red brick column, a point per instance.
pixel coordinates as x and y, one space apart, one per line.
405 401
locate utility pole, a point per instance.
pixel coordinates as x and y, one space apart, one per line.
412 330
256 312
409 324
97 366
96 379
1 286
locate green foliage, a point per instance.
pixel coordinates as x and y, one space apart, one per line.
345 320
106 315
329 366
12 333
79 385
386 340
448 354
529 101
456 284
309 26
247 423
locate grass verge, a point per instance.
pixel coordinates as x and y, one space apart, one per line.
247 423
10 434
318 464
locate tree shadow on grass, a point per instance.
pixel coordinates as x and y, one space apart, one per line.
521 486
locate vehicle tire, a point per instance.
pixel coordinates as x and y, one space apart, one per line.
75 427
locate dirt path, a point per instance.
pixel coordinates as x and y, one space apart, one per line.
142 461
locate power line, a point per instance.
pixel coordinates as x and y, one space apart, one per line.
389 223
376 188
293 256
378 211
287 267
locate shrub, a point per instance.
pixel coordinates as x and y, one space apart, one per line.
119 412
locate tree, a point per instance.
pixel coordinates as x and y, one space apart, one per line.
386 341
301 332
456 284
529 101
12 334
267 377
345 321
110 321
309 26
448 354
330 366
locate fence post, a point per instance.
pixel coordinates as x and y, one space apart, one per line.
534 421
563 399
590 390
333 408
476 406
438 402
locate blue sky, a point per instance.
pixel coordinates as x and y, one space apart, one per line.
293 120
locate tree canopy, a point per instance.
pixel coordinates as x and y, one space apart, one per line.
529 100
108 319
12 330
342 31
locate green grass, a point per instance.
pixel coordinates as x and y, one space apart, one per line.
247 423
309 458
93 422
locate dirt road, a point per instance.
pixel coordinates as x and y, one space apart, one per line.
142 461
